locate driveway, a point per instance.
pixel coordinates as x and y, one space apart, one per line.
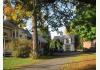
48 64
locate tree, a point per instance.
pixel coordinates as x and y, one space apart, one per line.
54 13
22 7
55 45
84 23
33 8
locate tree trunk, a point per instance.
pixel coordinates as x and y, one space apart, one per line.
35 38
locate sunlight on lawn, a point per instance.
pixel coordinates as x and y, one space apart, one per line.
12 62
81 62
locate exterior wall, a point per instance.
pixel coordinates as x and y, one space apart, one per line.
94 42
72 44
8 33
87 44
72 47
21 34
69 44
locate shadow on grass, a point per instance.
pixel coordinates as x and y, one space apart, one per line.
56 55
91 67
64 54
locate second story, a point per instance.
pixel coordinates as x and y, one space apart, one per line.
66 39
12 31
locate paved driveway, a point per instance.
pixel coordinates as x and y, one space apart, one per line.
48 64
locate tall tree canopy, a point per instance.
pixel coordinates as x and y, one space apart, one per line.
54 14
84 23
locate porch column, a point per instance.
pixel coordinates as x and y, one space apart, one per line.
64 41
72 48
3 44
71 41
64 45
15 33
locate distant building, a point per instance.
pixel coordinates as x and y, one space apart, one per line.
89 46
68 42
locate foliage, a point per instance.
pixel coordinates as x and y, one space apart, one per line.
55 13
44 32
24 49
84 24
20 47
18 14
55 44
41 11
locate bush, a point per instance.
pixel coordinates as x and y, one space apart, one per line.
55 46
24 48
24 51
20 47
8 49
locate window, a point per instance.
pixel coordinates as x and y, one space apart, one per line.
67 40
13 34
20 35
70 40
4 34
16 33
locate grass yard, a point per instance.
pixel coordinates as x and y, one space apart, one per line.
81 62
13 62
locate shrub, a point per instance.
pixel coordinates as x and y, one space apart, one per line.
24 48
24 51
20 47
55 45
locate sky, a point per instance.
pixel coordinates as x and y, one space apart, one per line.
53 33
29 26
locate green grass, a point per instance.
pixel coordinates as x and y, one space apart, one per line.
13 62
84 57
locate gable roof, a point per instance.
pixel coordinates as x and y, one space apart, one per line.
41 39
7 23
27 32
62 37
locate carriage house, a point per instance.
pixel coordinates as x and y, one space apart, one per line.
68 42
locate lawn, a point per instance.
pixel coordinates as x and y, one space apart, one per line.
13 62
81 62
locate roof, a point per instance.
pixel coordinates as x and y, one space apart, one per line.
9 24
62 37
28 33
41 39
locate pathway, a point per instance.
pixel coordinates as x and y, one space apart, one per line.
48 64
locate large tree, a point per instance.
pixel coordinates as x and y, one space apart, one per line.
51 13
22 10
84 23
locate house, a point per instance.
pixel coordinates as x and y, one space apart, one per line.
68 42
42 43
89 46
12 32
24 34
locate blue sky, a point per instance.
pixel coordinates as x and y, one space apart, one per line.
29 26
53 33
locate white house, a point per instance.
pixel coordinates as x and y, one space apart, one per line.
68 42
